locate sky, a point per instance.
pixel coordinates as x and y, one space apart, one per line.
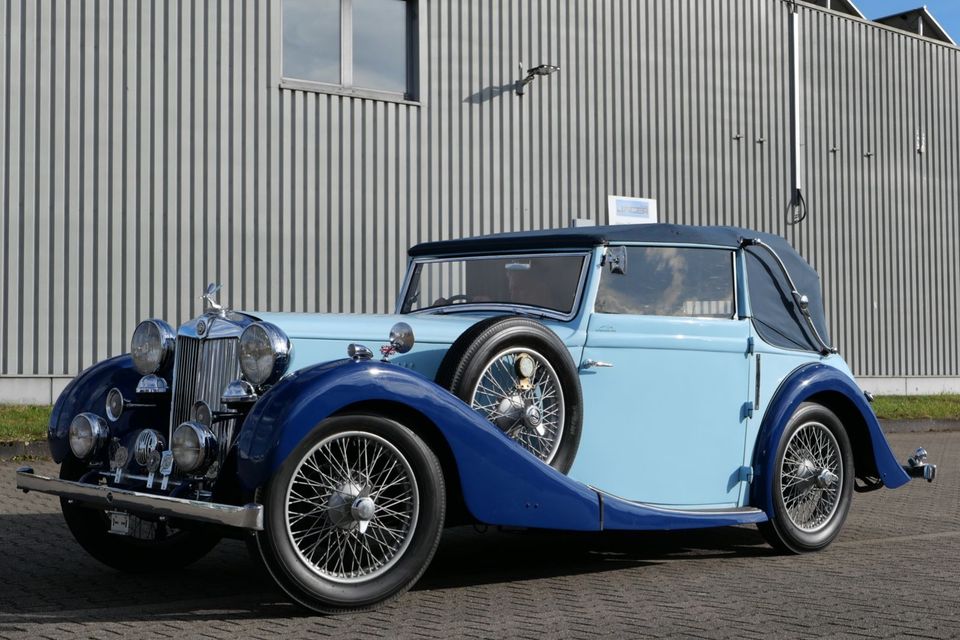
947 12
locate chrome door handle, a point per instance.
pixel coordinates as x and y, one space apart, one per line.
589 364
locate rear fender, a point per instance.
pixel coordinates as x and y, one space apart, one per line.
814 382
501 482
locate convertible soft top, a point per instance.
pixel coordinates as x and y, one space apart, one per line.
777 318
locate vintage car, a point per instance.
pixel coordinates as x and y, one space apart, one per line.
584 379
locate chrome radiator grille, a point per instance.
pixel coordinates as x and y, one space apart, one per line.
201 371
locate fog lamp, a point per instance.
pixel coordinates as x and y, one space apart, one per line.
202 413
88 432
194 447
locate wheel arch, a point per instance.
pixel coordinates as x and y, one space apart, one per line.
500 482
817 382
429 432
854 423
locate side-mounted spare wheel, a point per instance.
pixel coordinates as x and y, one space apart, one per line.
812 485
354 515
519 374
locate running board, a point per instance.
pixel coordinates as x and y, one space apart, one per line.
618 514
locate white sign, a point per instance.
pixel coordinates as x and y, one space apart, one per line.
624 210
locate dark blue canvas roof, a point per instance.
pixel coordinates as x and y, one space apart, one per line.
776 316
585 237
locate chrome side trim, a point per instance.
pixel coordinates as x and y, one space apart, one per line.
249 516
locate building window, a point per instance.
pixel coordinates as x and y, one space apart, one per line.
671 281
355 45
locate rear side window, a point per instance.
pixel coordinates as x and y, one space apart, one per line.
670 281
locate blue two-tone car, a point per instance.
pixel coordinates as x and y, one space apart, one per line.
584 379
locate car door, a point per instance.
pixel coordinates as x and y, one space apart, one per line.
665 377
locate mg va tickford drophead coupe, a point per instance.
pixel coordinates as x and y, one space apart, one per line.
584 379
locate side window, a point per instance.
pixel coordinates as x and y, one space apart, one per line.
670 281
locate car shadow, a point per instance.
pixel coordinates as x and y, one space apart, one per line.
473 557
48 579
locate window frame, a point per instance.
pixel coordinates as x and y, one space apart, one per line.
500 306
734 253
415 60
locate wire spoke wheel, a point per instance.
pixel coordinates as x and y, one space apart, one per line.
352 506
520 392
811 477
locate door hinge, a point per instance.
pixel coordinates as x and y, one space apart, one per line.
750 346
746 474
746 411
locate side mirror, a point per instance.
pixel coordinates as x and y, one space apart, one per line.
616 258
401 337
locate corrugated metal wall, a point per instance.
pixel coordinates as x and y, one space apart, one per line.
146 149
882 159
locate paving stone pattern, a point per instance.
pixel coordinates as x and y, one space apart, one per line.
894 572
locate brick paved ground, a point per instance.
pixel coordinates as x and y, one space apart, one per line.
894 572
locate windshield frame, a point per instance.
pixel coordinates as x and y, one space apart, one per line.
499 306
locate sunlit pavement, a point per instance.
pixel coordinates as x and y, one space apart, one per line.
894 572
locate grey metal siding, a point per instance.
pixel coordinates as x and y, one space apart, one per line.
883 226
147 148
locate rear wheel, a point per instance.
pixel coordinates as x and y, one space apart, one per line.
151 545
354 515
813 482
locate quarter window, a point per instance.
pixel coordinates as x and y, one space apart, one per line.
354 44
670 281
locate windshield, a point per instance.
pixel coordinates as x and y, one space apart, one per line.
549 282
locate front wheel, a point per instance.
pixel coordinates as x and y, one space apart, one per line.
812 483
354 515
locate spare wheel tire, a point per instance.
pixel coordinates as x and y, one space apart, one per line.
520 376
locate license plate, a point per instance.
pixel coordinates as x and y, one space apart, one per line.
119 523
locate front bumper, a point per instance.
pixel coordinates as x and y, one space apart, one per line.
249 516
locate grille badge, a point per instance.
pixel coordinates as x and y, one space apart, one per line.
201 328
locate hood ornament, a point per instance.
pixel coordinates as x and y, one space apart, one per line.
210 304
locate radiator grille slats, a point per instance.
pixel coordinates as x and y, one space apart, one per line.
202 369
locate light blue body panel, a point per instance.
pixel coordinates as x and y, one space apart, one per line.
665 424
318 338
776 365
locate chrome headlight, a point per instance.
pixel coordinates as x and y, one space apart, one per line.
264 353
88 432
152 345
194 447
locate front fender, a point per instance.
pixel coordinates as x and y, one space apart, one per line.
802 384
88 392
501 482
